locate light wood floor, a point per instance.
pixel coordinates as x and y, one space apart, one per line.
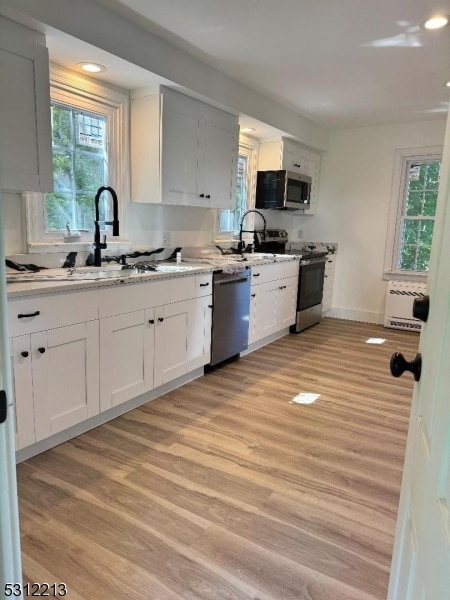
226 490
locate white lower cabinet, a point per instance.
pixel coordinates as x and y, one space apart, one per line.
171 334
56 380
126 360
328 282
272 303
146 348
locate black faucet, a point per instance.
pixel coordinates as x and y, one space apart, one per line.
241 230
97 245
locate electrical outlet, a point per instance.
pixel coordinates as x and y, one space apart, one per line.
165 239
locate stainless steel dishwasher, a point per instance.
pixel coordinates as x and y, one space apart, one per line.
231 312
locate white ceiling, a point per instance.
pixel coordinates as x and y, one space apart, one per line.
342 63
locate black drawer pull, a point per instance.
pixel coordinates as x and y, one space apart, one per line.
151 321
25 354
256 274
208 196
204 284
210 305
25 316
41 350
160 319
253 295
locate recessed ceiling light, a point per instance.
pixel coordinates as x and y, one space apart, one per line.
92 67
436 22
247 129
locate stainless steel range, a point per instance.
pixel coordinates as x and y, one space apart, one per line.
310 283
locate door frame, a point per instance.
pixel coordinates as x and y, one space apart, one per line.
10 555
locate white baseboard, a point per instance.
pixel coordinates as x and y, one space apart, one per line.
352 314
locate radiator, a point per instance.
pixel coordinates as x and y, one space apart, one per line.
400 296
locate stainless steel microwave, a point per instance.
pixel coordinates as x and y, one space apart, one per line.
282 189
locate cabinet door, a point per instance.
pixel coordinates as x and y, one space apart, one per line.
267 317
65 366
126 359
286 302
295 158
254 333
328 285
182 157
171 331
221 134
24 110
199 333
23 391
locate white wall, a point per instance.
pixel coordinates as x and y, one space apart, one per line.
354 197
145 223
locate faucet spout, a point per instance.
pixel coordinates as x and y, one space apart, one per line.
242 230
99 246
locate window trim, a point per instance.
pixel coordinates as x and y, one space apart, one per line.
95 97
403 156
251 147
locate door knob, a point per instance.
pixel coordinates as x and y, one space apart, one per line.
399 365
421 308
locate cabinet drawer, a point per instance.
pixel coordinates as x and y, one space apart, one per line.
39 313
203 285
273 272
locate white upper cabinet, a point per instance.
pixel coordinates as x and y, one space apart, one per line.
25 128
183 152
286 154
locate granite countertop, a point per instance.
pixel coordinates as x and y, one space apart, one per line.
61 280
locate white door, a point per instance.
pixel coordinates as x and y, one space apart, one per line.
220 159
421 561
126 360
65 366
10 561
171 327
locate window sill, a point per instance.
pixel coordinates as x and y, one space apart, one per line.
59 246
405 276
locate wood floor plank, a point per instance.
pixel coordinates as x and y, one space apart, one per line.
226 490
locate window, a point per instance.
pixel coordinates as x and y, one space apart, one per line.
230 220
89 138
413 210
80 167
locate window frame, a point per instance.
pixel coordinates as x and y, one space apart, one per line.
247 147
73 90
403 158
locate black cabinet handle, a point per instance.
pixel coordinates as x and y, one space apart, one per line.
210 305
151 321
204 284
160 319
421 308
41 350
399 365
253 295
25 354
25 316
202 195
208 196
256 274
